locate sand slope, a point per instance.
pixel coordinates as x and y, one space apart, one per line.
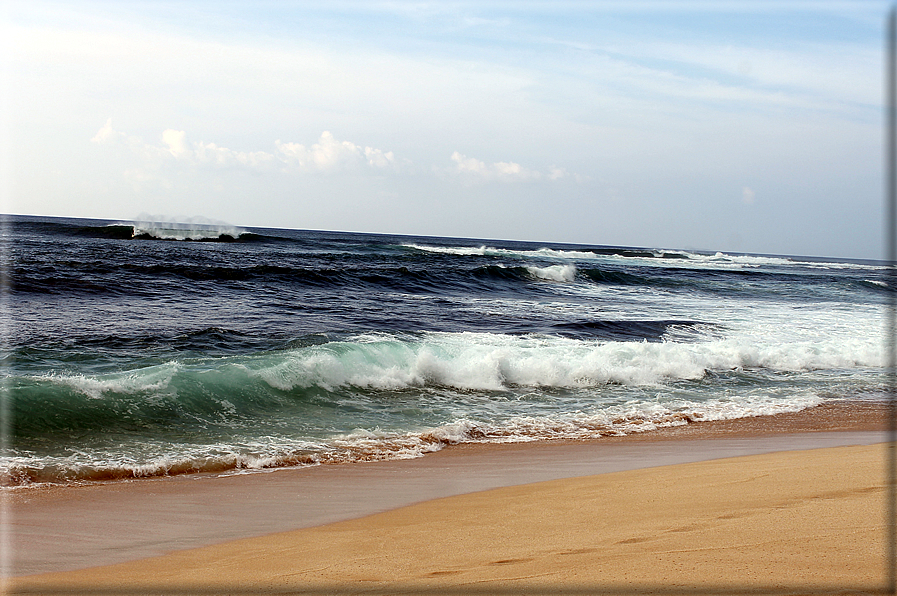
785 523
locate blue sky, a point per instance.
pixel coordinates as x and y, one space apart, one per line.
719 126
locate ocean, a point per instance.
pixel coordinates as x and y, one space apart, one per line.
146 348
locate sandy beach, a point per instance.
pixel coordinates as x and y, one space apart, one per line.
725 508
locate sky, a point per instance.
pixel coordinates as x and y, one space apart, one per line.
723 126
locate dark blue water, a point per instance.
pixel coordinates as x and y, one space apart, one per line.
155 348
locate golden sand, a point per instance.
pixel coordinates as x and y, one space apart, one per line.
802 522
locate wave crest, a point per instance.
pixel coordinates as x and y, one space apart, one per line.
193 228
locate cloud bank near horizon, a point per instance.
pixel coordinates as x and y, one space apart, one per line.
327 155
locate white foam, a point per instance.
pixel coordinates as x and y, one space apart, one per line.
618 420
460 250
504 252
486 362
719 260
560 273
623 419
154 379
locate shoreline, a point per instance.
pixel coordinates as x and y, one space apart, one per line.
830 416
66 528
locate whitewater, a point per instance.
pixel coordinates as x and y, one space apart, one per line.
149 348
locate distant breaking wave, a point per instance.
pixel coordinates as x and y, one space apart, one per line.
193 228
149 227
669 258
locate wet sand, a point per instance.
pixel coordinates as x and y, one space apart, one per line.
604 514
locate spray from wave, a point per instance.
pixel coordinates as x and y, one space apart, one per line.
161 227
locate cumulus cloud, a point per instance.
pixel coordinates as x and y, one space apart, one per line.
328 154
108 135
505 171
173 145
210 153
556 173
176 140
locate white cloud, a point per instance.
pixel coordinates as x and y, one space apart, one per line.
176 141
327 155
378 158
210 153
108 135
505 171
556 173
